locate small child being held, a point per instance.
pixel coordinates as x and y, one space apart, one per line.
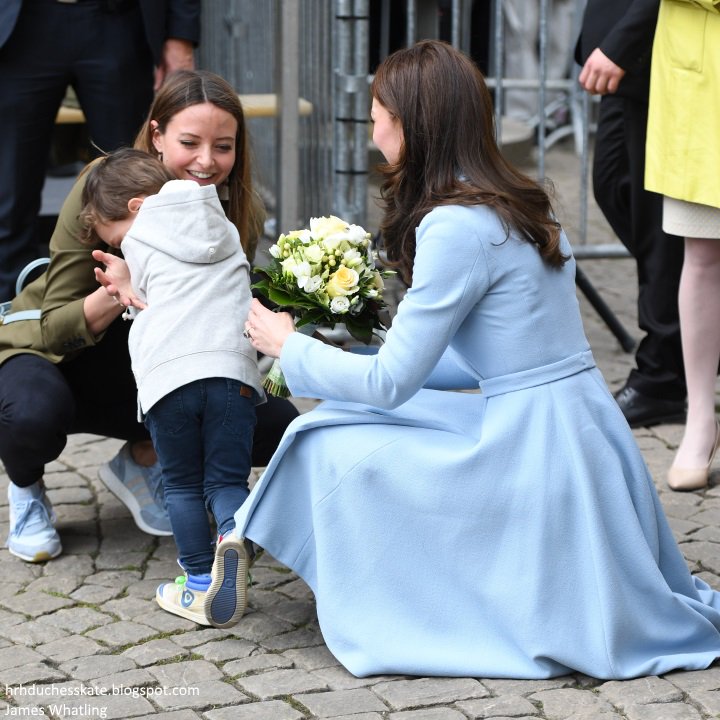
196 374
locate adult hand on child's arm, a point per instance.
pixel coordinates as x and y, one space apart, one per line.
115 278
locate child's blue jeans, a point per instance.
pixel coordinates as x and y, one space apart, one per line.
203 435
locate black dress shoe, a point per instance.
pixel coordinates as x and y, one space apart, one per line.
643 411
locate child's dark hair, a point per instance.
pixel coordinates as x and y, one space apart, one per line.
112 181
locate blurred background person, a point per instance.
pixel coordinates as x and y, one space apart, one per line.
113 53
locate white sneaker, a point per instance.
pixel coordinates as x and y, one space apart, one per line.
226 597
32 535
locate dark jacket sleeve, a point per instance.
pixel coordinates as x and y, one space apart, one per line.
163 19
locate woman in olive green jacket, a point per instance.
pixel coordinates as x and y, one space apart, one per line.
69 371
683 164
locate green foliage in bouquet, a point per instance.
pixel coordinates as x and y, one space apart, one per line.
327 275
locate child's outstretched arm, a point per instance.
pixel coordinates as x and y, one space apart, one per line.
115 278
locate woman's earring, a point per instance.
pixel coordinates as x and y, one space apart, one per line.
160 156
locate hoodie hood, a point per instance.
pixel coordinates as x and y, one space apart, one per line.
200 233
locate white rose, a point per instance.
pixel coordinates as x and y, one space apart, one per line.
275 251
339 305
314 253
323 226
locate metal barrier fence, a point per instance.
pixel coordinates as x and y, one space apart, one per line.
319 163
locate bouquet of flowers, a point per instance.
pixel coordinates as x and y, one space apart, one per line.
324 275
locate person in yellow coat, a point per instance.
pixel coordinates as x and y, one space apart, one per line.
683 164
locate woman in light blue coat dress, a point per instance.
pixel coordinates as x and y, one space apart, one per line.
509 532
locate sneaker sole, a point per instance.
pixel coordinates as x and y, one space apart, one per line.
174 609
226 598
38 557
110 481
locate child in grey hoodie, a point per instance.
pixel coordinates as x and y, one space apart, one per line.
197 375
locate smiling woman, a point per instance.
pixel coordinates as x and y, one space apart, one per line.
51 368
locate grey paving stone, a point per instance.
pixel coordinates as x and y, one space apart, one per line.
277 683
154 651
360 716
126 682
35 604
664 711
256 663
338 678
31 633
11 657
428 714
690 682
70 495
173 715
122 633
76 518
302 638
526 687
128 608
312 658
78 619
185 673
111 707
69 648
97 666
270 710
201 694
30 674
94 594
566 702
120 560
706 702
404 694
59 584
225 649
257 626
503 706
297 612
82 542
144 589
165 622
116 579
641 691
340 702
198 636
706 553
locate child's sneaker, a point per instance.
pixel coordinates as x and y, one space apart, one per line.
185 597
226 599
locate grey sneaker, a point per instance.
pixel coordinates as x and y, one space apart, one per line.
139 489
32 535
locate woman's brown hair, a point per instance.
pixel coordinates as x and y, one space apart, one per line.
185 88
449 154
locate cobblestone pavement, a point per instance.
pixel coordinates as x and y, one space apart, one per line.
87 622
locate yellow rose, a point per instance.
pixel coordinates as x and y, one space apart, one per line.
324 226
342 282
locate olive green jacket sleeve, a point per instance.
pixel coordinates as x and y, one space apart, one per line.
59 292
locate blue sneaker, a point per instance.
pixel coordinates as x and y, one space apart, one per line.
185 597
139 489
32 535
226 598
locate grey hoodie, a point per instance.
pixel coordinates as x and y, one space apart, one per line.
187 265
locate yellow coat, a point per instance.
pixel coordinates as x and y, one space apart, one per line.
683 136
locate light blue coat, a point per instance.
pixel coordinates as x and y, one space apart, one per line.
509 532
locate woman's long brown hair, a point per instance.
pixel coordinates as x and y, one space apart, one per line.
185 88
449 153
